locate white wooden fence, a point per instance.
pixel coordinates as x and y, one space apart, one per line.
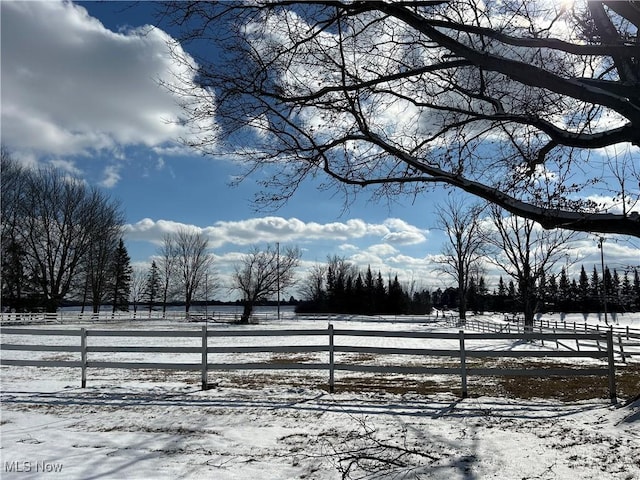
207 352
71 318
626 339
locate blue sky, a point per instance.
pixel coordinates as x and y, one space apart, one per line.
80 91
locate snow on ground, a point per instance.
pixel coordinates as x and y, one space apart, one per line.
160 425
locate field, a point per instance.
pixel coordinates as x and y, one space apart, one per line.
281 425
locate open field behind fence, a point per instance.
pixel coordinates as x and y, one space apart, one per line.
332 353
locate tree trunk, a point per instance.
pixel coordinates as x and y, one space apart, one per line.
246 312
529 310
51 305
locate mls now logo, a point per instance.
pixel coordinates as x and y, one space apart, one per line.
32 467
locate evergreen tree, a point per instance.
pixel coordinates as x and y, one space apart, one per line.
121 278
483 292
574 304
472 295
626 293
359 295
552 290
396 298
607 289
636 290
615 293
369 290
153 285
502 290
380 294
594 286
583 286
501 297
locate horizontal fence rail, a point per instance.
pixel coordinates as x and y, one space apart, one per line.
626 339
70 318
208 348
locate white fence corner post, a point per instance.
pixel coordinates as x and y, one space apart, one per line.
205 383
83 357
612 368
463 365
331 360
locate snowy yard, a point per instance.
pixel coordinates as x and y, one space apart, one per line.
281 425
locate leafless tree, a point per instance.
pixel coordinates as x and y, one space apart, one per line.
313 286
96 265
15 280
167 265
262 273
464 247
493 98
138 286
58 220
185 258
525 252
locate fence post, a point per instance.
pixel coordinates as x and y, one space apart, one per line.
83 357
205 383
331 360
621 349
463 365
612 368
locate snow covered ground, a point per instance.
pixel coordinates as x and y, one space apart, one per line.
282 425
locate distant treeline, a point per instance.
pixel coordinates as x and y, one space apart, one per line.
556 292
366 296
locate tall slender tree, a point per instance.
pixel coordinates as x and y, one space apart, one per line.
121 272
191 262
153 286
464 247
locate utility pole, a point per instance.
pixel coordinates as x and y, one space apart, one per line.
278 274
604 279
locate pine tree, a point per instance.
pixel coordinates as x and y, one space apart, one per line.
542 291
380 294
153 285
636 289
396 297
483 291
552 289
626 292
121 278
594 286
564 290
615 293
583 285
502 290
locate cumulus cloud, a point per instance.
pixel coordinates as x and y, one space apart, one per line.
71 86
266 229
402 233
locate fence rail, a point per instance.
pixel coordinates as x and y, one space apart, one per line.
70 318
626 339
328 345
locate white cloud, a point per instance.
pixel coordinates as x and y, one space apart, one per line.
111 176
66 166
402 233
268 229
71 86
382 250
